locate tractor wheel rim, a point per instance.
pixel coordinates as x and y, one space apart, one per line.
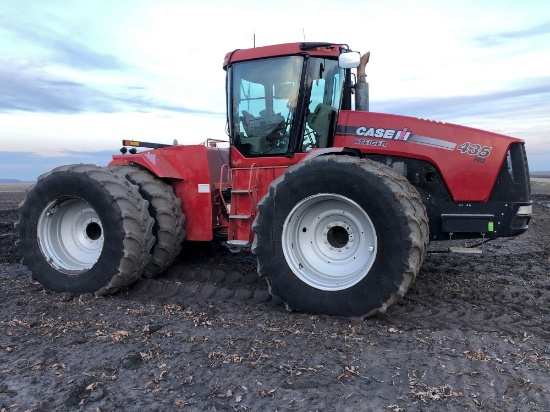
70 235
329 242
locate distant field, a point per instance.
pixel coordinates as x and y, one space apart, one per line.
540 188
15 187
543 175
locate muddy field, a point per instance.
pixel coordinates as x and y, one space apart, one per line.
472 334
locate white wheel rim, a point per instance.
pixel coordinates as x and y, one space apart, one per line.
329 242
70 235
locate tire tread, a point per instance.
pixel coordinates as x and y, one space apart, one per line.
165 208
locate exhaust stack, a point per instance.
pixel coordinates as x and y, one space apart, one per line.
362 87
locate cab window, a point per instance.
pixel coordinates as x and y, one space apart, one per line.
326 82
264 96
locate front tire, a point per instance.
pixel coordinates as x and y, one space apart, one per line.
340 236
84 229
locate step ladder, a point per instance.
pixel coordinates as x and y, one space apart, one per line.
243 206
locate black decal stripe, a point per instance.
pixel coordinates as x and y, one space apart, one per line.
347 130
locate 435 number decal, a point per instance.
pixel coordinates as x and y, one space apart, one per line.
474 149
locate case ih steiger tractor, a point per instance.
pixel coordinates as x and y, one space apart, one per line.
338 205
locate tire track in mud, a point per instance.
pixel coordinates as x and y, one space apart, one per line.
9 252
224 277
504 291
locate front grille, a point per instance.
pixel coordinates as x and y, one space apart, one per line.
513 183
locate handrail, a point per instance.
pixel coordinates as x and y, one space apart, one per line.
251 189
224 166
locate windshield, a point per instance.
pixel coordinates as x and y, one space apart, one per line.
263 104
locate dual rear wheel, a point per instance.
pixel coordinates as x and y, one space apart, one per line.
88 229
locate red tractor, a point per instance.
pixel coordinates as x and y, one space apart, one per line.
338 205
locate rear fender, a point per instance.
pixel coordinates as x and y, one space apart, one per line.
193 171
155 161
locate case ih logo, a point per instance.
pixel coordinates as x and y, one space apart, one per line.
383 133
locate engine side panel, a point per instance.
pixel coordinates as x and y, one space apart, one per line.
469 160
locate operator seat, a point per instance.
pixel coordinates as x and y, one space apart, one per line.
247 117
320 121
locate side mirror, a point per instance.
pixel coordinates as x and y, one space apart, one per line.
349 60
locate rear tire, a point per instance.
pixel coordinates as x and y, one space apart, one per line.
340 236
84 229
165 208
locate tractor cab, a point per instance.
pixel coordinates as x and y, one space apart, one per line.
284 99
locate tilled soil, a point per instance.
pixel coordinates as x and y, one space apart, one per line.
471 334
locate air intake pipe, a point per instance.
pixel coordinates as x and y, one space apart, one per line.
362 87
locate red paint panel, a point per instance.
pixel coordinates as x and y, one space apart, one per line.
187 168
238 160
469 171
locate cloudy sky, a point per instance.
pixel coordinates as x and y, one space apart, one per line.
77 77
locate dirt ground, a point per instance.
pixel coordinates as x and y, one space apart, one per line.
472 334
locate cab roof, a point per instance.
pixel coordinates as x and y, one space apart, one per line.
287 49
